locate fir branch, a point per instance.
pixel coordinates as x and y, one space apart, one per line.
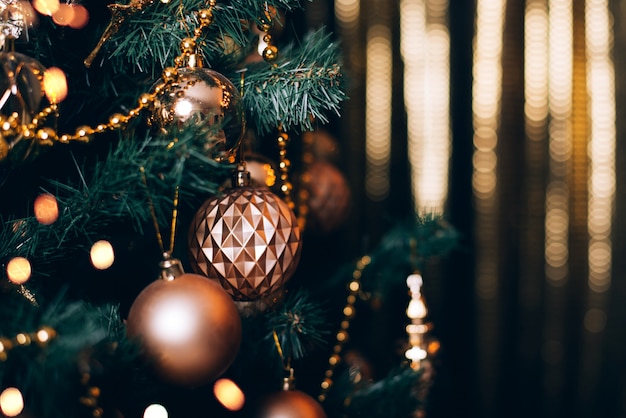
114 192
305 85
51 374
397 395
298 325
407 247
150 39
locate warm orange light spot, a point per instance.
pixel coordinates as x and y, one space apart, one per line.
229 394
102 255
19 270
433 347
46 209
64 15
55 84
46 7
11 402
80 18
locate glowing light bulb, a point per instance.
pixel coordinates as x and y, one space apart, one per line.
155 411
229 394
46 208
102 255
55 84
19 270
11 402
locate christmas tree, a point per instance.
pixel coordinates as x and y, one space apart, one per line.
165 227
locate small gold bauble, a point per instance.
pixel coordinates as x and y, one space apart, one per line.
205 16
207 98
188 327
270 53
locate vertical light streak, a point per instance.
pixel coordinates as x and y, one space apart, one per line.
560 96
487 72
486 108
347 13
425 49
536 53
557 222
378 86
601 91
600 183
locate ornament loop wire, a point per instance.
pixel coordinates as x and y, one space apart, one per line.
155 221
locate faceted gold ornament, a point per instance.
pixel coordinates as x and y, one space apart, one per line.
247 239
21 87
205 97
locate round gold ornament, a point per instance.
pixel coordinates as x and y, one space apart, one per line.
21 80
290 404
205 97
246 239
188 328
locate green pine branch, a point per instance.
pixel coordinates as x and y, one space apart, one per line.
303 87
115 190
298 325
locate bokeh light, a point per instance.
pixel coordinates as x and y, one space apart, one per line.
19 270
46 7
46 209
55 84
155 411
229 394
80 18
102 255
11 402
64 15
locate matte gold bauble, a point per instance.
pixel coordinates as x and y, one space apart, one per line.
290 404
205 97
246 239
188 328
21 80
329 201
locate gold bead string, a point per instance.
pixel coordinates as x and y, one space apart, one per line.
11 126
23 339
354 288
284 164
91 397
265 24
304 193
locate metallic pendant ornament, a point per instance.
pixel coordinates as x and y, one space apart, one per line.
248 240
290 404
188 327
207 98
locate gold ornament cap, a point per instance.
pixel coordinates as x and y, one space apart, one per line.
241 178
171 268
